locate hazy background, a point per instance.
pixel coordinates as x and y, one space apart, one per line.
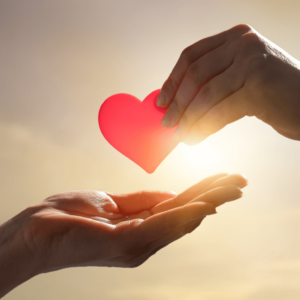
59 60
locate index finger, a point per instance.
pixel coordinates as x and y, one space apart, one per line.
187 57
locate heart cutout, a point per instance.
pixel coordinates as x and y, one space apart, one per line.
133 128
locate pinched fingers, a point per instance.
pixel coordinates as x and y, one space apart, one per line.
199 72
190 55
187 57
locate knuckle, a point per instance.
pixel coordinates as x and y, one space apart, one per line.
169 87
205 94
193 73
242 28
186 56
176 106
257 64
258 76
251 40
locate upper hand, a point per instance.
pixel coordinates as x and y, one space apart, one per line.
223 78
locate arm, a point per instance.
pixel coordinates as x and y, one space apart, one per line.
17 263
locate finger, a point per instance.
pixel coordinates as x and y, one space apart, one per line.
142 215
220 195
191 54
141 254
135 203
212 93
86 202
162 223
187 57
187 195
198 73
229 110
232 179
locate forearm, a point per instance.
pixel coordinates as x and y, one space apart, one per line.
16 265
10 275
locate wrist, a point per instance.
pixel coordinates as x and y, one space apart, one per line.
17 263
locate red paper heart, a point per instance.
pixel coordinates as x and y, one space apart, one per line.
133 128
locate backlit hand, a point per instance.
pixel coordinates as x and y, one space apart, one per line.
223 78
94 228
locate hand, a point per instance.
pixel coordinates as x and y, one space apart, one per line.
93 228
223 78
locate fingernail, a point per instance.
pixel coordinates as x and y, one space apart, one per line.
166 121
160 100
244 176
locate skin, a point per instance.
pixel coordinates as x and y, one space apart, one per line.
94 228
225 77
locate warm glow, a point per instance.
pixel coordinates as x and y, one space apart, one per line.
204 156
60 60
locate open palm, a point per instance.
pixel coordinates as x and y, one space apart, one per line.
93 228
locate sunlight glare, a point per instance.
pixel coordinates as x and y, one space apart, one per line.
204 155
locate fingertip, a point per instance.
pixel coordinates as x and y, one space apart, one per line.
241 180
166 121
172 192
204 208
235 194
245 180
238 193
234 191
168 194
161 100
211 212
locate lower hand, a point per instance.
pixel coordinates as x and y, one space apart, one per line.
93 228
223 78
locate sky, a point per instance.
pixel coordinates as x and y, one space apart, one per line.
60 59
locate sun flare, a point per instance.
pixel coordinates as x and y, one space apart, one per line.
204 155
